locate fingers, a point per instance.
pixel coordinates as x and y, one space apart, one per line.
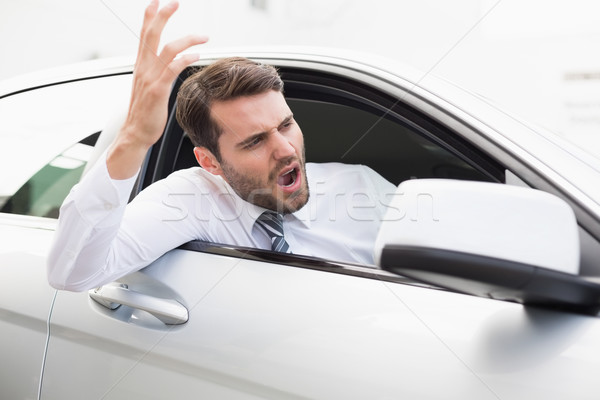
153 25
163 67
170 51
152 28
149 15
176 66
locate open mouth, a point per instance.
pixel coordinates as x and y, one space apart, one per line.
288 178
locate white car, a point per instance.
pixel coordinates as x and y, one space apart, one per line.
487 284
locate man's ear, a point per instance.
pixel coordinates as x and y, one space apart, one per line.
207 160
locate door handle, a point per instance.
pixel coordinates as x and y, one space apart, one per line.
169 311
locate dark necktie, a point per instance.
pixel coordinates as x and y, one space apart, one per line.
272 223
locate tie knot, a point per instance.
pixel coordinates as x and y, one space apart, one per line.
272 223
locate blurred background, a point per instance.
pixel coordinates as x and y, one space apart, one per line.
537 58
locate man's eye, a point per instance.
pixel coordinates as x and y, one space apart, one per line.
286 124
253 143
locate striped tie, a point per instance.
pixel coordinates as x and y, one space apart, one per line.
272 223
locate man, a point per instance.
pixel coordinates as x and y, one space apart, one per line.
253 187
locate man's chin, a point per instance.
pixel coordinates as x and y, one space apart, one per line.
271 196
294 201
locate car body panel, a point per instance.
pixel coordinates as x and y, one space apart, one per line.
25 303
348 337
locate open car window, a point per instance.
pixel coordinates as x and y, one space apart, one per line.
345 121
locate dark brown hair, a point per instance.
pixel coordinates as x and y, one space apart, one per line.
226 79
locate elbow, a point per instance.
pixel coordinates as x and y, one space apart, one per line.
59 272
64 275
61 283
58 280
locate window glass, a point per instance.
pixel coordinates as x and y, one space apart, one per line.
46 136
45 191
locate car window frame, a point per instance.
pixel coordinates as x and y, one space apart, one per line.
302 83
455 133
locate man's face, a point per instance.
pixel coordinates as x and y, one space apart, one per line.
262 151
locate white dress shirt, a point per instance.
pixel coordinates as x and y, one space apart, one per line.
101 238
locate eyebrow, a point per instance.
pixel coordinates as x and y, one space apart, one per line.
255 136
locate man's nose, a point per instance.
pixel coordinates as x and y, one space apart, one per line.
282 147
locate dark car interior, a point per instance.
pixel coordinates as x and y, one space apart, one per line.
348 122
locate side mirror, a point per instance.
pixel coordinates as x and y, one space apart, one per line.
489 240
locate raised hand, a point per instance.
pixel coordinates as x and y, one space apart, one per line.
153 76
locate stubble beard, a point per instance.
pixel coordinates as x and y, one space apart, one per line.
253 190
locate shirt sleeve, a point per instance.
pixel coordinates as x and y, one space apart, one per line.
382 189
89 218
101 238
383 194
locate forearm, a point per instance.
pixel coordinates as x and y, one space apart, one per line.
126 154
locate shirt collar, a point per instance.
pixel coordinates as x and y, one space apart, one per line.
250 212
303 214
308 212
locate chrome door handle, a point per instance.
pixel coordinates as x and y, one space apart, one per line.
169 311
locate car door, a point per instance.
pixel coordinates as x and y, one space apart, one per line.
258 328
46 133
214 321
